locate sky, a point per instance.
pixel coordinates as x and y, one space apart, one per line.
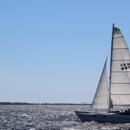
53 51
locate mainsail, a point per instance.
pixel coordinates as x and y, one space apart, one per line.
120 70
100 100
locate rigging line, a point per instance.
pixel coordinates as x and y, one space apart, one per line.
98 73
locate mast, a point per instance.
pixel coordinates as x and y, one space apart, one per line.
109 95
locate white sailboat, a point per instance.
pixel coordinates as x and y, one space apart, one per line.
117 93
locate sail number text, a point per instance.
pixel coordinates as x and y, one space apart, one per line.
125 66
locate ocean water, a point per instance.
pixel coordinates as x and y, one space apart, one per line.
49 117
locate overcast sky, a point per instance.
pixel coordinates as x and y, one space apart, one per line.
53 50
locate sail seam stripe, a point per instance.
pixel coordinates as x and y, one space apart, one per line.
117 37
121 104
119 71
121 60
119 48
120 94
120 83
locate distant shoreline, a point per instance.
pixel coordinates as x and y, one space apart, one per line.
24 103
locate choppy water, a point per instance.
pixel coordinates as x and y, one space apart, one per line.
49 117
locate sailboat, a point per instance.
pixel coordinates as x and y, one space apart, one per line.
117 93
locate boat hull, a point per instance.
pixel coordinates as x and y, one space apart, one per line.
103 117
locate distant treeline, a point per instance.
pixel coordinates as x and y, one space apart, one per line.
24 103
16 103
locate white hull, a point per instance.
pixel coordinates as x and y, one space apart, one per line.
103 117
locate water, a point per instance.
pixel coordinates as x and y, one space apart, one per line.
49 117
